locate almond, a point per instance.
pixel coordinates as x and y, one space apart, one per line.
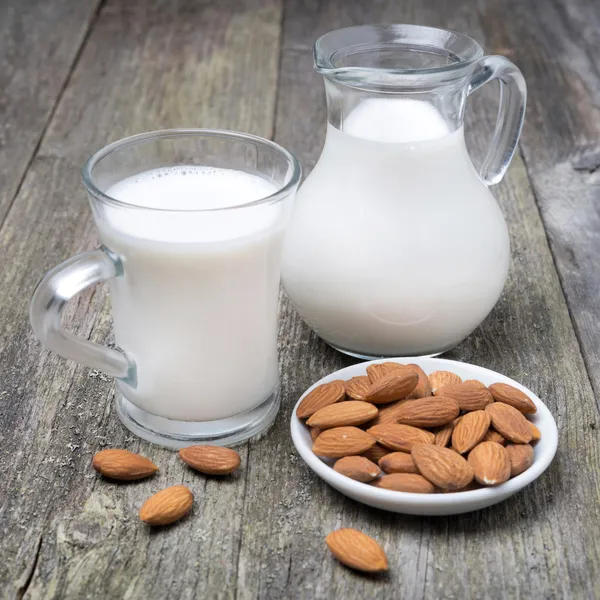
490 463
358 468
340 414
423 388
342 441
470 430
439 379
376 452
123 465
167 506
502 392
387 412
441 466
398 462
494 436
428 412
405 482
323 395
356 388
400 437
384 370
468 396
393 387
521 458
536 434
315 432
475 382
212 460
509 422
443 434
357 550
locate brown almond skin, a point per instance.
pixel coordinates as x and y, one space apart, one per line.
509 422
400 438
490 463
494 436
423 388
428 412
536 434
340 414
468 396
521 458
323 395
383 370
470 430
342 441
167 506
376 452
439 379
405 482
315 432
475 382
358 468
393 387
443 434
387 413
211 460
503 392
398 462
443 467
357 550
122 465
356 388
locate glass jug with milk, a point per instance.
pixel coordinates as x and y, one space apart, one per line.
396 246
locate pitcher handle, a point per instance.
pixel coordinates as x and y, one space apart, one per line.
49 299
511 112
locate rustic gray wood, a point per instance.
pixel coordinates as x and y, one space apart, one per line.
65 533
39 42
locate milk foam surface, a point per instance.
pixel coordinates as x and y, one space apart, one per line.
196 305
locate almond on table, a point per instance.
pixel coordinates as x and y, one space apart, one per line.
167 506
211 460
357 550
123 465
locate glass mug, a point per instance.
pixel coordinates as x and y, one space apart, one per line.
191 223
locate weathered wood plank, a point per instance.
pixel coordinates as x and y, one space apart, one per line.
38 43
64 533
540 544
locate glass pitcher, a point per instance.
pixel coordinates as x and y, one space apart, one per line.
396 245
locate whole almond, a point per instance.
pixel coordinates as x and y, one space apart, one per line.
440 379
443 434
490 463
212 460
387 412
323 395
441 466
468 395
357 550
356 388
475 382
470 430
405 482
123 465
167 506
398 462
423 388
384 370
315 432
393 387
340 414
521 458
494 436
502 392
400 437
536 434
428 412
376 452
342 441
358 468
509 422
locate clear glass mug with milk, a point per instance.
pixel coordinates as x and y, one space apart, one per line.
396 246
191 224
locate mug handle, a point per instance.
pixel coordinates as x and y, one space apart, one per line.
511 112
49 299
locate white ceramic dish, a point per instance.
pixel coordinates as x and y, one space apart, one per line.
432 504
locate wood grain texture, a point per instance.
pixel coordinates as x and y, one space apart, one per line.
39 42
66 533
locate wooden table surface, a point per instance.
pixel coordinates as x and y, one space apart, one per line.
77 74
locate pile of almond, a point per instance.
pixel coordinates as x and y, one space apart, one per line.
399 429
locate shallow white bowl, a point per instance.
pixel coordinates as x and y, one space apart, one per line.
431 504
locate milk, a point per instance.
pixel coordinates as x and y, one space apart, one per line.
396 247
196 305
